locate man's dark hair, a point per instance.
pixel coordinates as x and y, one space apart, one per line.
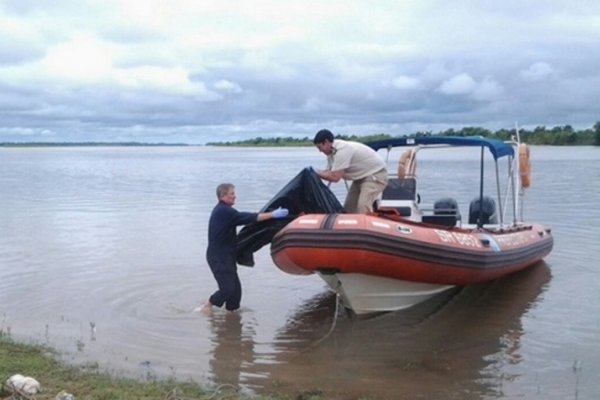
322 136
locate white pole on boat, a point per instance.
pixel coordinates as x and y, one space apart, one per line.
511 184
500 207
513 168
517 179
480 217
510 189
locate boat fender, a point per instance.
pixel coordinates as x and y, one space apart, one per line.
407 164
524 166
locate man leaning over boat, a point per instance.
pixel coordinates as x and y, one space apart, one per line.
355 162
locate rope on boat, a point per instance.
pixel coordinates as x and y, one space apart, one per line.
333 324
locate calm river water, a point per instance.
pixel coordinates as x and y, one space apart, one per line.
102 257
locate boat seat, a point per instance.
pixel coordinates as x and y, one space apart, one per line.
403 211
399 198
400 189
442 220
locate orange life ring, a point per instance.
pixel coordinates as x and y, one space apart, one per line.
524 166
407 164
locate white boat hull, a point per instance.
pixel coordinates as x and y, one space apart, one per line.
366 294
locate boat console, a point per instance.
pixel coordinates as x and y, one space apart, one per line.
401 195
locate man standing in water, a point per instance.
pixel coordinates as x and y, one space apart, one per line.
356 162
222 247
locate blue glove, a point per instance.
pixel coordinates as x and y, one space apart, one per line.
280 213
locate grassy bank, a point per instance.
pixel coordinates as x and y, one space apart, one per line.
54 377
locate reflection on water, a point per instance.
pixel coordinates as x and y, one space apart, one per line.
233 348
102 257
440 344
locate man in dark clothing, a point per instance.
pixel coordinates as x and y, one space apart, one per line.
222 243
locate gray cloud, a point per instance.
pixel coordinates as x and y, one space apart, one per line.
196 71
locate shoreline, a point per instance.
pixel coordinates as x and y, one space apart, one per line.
40 362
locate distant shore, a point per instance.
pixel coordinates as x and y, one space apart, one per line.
556 136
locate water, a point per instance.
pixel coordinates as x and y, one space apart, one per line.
102 257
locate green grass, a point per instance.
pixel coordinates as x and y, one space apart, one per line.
40 363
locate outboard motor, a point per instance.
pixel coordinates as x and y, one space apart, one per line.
488 211
446 206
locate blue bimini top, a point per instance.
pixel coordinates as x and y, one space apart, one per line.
497 147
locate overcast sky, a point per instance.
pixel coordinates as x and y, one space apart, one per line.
197 71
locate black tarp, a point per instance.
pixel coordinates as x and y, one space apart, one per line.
304 194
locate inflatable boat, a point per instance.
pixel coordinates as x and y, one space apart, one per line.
404 253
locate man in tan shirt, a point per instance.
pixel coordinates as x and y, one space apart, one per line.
355 162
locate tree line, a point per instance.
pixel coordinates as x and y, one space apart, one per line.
556 136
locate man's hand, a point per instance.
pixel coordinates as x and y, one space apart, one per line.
280 213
